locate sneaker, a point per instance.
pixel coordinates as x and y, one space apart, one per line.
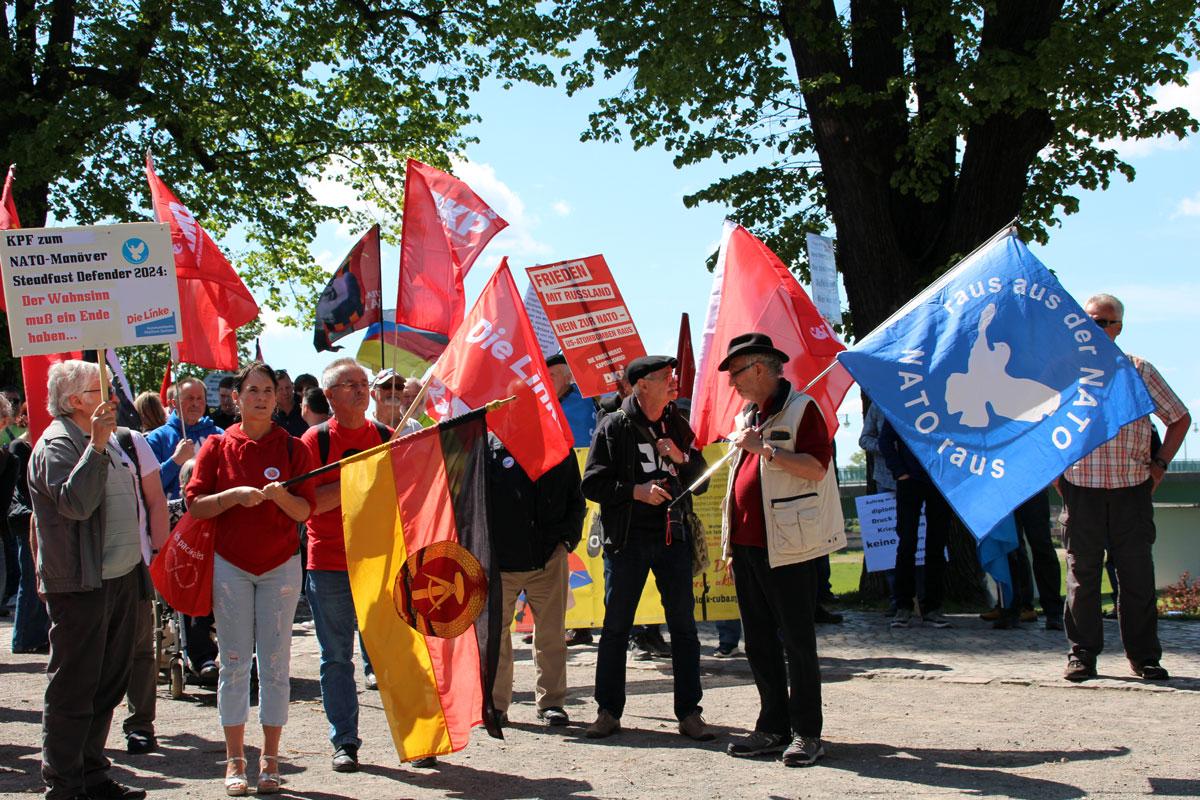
371 681
653 641
936 619
903 618
428 762
554 716
209 673
803 751
111 790
1151 672
578 636
140 742
823 616
604 726
638 648
727 652
693 726
992 615
758 743
345 758
1079 670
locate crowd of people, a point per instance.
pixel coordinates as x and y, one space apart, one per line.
98 499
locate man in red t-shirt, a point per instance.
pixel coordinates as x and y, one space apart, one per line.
347 386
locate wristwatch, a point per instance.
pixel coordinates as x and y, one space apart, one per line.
1159 462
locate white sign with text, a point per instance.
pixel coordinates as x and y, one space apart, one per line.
877 520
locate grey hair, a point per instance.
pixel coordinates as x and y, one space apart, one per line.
6 409
1103 299
337 364
65 379
773 364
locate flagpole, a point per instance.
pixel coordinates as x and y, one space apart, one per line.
102 355
379 448
416 403
907 307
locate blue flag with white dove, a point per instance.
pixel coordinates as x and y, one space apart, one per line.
997 380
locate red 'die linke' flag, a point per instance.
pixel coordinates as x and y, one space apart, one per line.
754 291
213 301
494 355
34 369
353 298
446 226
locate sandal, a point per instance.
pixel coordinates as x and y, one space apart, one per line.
236 784
268 781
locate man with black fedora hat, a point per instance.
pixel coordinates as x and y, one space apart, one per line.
643 456
781 513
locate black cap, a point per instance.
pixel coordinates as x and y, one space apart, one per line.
748 344
556 359
641 367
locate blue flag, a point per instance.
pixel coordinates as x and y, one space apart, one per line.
997 381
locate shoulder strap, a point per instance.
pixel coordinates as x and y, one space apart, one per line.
382 430
125 439
323 441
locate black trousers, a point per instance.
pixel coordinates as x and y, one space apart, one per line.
141 697
1121 520
911 495
777 618
91 651
1033 526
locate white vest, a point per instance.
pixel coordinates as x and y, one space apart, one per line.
804 518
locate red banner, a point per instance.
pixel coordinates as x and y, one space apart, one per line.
8 216
352 300
446 226
494 355
213 301
590 321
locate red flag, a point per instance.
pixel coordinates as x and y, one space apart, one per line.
213 301
258 356
8 214
493 355
35 371
166 384
352 300
446 226
686 369
754 291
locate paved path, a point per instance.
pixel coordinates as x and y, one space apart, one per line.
963 712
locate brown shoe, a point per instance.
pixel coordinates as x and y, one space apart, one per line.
693 726
992 615
604 726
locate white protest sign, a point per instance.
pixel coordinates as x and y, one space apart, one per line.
877 520
89 288
822 267
540 322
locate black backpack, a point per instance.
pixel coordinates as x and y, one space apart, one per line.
323 438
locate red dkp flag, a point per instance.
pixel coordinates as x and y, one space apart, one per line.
753 291
494 355
446 226
213 301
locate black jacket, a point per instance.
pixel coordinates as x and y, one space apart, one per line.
531 518
900 460
611 470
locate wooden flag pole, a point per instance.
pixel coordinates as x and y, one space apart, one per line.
416 404
102 357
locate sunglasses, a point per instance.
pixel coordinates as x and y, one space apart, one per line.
1104 323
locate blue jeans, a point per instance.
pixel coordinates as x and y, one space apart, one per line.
729 633
31 627
672 567
328 593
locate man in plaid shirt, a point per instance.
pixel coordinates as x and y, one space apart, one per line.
1108 498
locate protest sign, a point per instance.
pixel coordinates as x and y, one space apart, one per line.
822 268
877 520
590 321
89 287
539 321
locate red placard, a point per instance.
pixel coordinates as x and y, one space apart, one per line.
590 320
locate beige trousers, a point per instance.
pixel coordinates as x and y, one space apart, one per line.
546 594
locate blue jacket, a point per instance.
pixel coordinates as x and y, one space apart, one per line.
163 442
581 415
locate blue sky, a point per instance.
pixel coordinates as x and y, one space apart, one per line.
565 199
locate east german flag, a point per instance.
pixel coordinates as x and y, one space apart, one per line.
426 587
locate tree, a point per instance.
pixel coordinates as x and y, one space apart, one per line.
247 104
917 128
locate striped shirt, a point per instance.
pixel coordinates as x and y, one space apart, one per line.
1124 460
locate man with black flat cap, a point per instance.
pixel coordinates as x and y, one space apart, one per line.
642 456
781 513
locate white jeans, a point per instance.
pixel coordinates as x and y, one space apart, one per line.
254 615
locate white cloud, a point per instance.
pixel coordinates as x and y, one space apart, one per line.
275 331
1170 96
1188 207
562 208
1147 304
518 239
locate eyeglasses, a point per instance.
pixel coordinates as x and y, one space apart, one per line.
735 372
361 386
1104 323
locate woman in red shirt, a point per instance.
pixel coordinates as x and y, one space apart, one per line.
256 569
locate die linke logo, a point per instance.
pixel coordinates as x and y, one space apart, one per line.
459 219
189 227
1005 386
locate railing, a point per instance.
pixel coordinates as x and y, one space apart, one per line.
1179 465
852 475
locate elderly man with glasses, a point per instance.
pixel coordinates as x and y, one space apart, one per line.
347 387
1108 495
